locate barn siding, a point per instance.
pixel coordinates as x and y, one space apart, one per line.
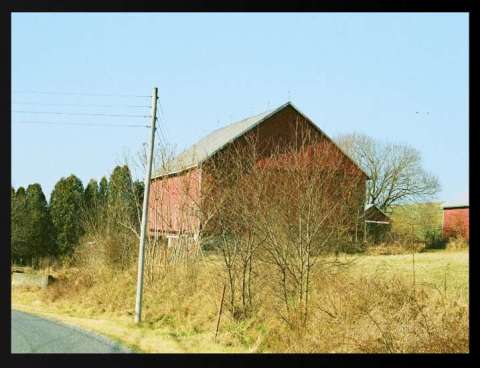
281 130
173 203
456 221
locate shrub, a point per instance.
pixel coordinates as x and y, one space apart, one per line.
457 243
349 313
417 222
434 239
394 248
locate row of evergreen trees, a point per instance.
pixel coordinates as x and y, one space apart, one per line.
40 228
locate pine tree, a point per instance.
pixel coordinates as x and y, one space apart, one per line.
121 215
120 199
39 225
138 190
91 195
102 201
102 190
66 204
18 240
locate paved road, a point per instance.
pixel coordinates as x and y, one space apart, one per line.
31 334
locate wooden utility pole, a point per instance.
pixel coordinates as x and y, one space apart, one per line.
364 212
143 229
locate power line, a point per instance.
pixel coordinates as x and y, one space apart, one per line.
84 124
161 131
79 113
161 135
161 108
79 105
78 94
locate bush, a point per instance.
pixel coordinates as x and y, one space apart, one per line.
434 240
457 243
417 222
394 248
349 313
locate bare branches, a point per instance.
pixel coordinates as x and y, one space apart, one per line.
283 201
395 170
286 205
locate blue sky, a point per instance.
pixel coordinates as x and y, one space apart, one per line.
366 73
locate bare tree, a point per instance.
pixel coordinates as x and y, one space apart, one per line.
270 206
232 188
309 212
287 206
395 170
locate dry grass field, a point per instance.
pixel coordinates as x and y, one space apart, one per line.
440 269
373 305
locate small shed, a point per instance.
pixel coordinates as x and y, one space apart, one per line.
456 220
377 223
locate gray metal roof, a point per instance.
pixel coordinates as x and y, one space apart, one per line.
207 146
216 140
456 205
372 205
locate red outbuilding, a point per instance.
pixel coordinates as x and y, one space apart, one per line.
456 221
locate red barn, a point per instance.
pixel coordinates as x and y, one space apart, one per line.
456 221
176 190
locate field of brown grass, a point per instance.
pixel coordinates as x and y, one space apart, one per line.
381 303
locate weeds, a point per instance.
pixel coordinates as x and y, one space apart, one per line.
394 248
457 243
348 312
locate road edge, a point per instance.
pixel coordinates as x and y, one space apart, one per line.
118 345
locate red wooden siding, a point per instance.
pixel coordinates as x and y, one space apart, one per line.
173 203
456 221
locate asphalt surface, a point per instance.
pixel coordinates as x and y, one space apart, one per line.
32 334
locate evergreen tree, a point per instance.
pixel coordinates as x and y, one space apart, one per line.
91 195
139 189
120 198
102 200
121 216
38 225
18 240
66 204
93 212
102 190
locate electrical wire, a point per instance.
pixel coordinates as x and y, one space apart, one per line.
79 94
83 124
161 119
79 105
79 113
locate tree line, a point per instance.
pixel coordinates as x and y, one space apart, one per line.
54 228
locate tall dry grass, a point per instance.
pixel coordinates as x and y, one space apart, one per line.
392 248
348 313
456 243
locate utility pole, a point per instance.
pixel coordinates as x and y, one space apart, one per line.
143 229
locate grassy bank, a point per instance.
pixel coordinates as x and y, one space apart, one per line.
370 306
433 269
138 338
